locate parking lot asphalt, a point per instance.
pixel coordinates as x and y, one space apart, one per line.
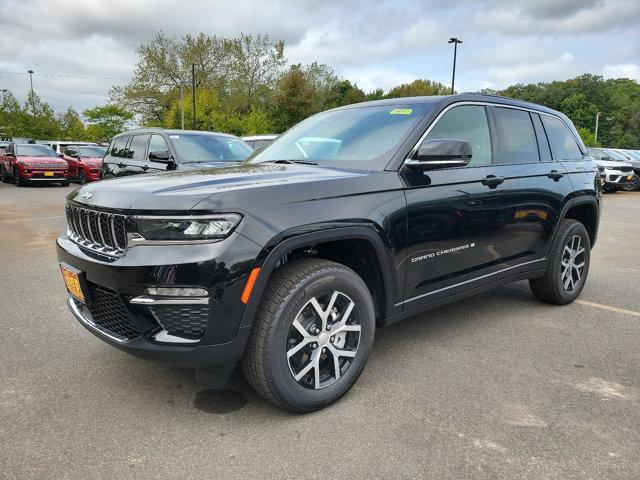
495 386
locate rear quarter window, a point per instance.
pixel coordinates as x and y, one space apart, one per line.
563 144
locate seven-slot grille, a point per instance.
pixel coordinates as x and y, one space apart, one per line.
101 232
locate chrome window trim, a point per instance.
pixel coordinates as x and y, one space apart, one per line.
486 104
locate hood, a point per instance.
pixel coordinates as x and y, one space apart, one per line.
201 165
50 161
182 190
611 163
92 159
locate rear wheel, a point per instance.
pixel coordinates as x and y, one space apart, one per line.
313 332
568 265
17 179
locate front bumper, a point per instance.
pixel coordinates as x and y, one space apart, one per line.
617 179
221 268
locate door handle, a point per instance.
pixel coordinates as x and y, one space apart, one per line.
145 167
492 181
555 175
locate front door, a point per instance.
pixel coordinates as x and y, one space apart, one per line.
455 216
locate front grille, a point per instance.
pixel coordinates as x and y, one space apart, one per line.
48 165
188 321
626 169
98 231
110 314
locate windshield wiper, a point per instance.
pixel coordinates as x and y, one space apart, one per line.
301 162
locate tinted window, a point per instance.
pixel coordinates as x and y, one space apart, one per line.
516 138
157 144
468 123
563 144
9 150
137 147
92 152
352 136
194 148
260 143
118 147
70 151
597 154
543 142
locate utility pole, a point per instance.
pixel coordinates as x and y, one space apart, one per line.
182 104
455 42
33 105
595 135
193 91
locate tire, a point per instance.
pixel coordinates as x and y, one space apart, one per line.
82 177
552 286
3 175
289 297
633 185
17 179
65 183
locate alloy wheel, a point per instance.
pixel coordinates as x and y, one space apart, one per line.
323 340
633 184
572 264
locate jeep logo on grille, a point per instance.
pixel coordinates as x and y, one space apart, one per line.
87 195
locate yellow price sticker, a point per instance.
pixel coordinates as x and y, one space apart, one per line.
401 111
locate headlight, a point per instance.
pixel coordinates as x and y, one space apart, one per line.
209 227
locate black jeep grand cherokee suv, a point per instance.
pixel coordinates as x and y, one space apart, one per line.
355 218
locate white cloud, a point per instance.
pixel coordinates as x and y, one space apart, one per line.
624 70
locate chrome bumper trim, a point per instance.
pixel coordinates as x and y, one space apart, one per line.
165 337
148 300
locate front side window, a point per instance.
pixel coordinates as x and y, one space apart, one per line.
92 152
118 149
357 136
138 147
202 148
34 151
563 144
157 144
468 123
70 151
516 137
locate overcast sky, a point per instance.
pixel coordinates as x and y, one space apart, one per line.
373 43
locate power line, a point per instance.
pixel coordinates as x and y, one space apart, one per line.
54 75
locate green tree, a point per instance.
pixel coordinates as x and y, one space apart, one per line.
588 137
106 121
293 99
418 88
71 126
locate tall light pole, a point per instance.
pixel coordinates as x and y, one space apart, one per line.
33 105
182 104
455 42
193 91
595 135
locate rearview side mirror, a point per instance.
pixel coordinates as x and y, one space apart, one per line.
441 153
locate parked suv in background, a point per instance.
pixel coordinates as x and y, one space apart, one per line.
152 150
60 145
616 175
288 262
30 162
85 162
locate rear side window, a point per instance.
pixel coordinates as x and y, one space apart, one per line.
563 145
138 147
468 123
157 144
543 142
517 140
118 147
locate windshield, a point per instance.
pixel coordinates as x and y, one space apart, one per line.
34 151
194 148
350 136
92 152
616 155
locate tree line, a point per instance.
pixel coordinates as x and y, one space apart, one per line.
244 85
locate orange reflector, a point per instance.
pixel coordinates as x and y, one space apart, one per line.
249 286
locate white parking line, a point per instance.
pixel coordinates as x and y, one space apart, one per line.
610 308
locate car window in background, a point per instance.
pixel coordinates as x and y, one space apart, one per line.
260 143
517 137
70 151
468 123
92 152
360 134
195 148
616 155
137 148
597 154
563 144
119 146
34 151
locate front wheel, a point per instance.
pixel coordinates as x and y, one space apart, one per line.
313 333
17 179
3 175
568 266
82 177
633 185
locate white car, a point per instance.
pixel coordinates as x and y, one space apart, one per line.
615 175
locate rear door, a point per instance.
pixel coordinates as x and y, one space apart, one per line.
536 186
455 216
72 157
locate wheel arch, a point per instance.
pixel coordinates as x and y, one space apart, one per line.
271 258
587 211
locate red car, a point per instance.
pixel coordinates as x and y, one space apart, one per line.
30 162
84 162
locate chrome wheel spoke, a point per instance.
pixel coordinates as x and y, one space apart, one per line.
307 368
342 353
299 347
298 326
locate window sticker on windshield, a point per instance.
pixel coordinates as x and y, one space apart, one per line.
401 111
174 136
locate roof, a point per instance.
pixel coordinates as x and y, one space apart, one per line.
267 136
172 131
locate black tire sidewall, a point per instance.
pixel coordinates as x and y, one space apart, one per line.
580 230
292 393
82 177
